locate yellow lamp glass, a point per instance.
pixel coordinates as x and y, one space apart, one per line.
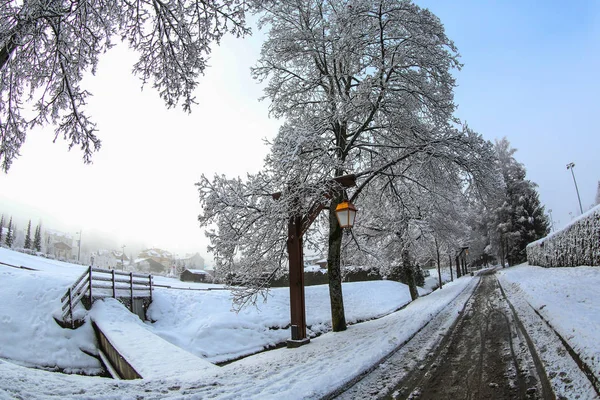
346 214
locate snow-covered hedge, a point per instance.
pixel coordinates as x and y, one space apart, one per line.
576 244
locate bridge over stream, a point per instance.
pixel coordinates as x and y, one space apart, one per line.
128 349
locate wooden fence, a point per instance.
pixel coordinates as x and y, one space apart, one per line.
17 266
98 283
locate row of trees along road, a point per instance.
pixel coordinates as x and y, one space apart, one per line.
362 87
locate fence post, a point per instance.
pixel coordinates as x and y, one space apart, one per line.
150 280
113 284
131 288
90 283
71 309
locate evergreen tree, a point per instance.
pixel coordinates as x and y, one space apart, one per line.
520 217
9 235
37 239
1 227
28 237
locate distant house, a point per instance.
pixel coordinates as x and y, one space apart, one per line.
193 261
121 258
59 244
157 255
62 251
195 275
150 266
189 261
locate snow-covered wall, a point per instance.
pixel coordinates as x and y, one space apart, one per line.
576 244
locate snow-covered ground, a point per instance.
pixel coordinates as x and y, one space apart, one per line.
197 320
202 323
569 300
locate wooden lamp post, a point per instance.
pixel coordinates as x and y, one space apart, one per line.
297 227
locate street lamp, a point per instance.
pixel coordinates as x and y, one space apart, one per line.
298 224
345 213
571 166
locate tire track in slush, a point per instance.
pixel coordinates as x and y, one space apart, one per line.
383 377
586 369
488 356
485 354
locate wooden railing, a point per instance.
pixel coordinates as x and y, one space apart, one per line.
17 266
98 283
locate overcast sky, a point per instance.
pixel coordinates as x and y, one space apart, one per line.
530 74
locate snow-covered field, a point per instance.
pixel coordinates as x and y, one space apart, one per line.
196 320
202 323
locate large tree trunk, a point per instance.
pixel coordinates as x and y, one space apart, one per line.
338 318
410 275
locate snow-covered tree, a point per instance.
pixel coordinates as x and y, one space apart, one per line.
365 88
37 238
47 47
9 234
597 200
426 211
1 227
28 236
519 218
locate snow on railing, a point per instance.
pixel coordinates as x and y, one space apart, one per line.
576 244
98 283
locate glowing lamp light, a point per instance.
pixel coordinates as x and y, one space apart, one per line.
346 213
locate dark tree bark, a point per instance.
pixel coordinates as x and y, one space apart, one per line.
6 51
410 275
338 318
439 267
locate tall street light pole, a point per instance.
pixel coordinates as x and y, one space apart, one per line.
571 166
79 250
122 256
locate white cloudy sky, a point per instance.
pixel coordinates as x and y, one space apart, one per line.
141 184
530 74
